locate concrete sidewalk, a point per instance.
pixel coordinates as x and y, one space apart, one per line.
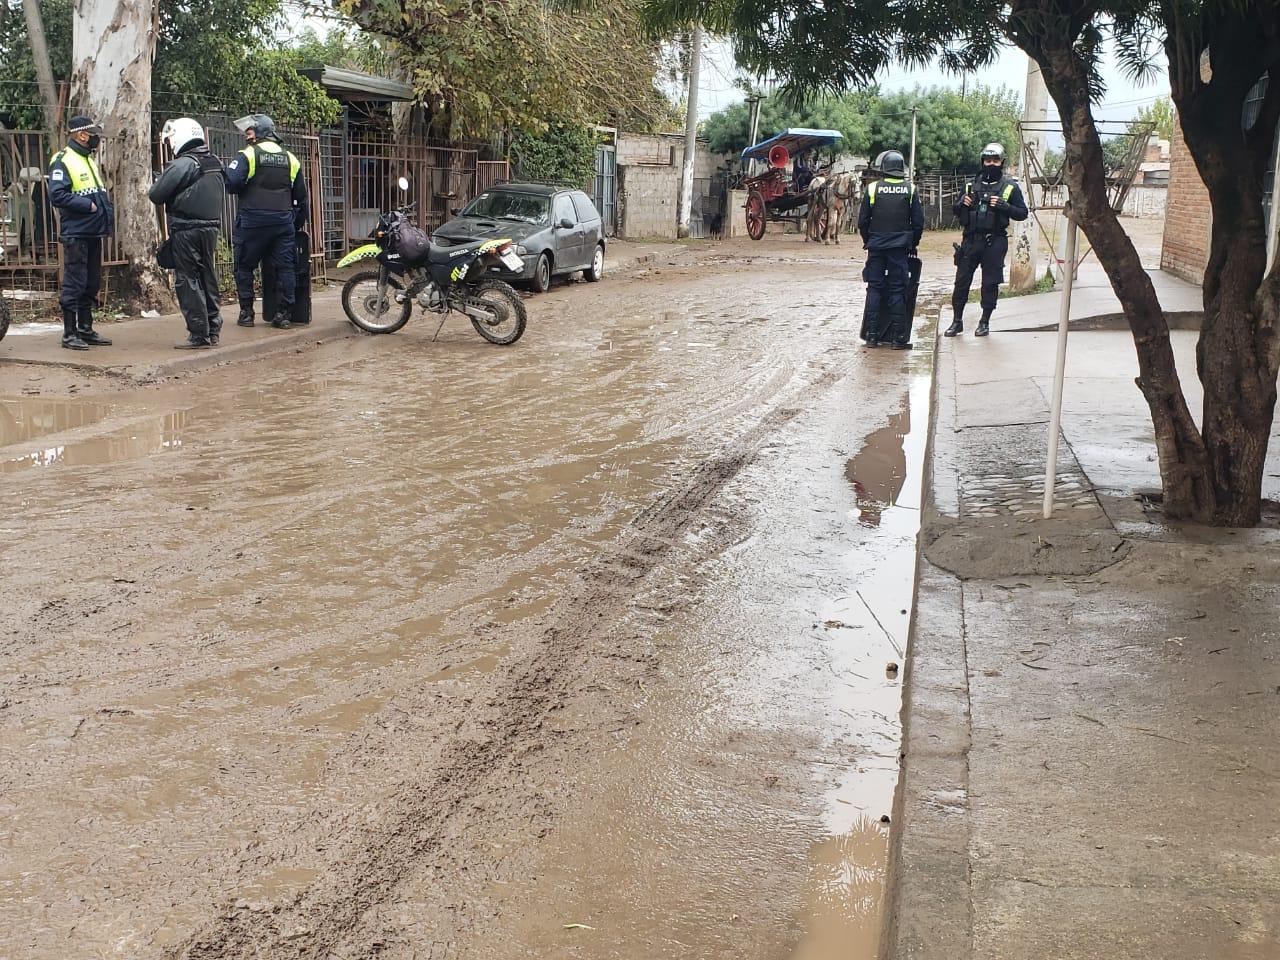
1091 763
143 347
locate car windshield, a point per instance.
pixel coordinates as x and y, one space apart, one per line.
501 205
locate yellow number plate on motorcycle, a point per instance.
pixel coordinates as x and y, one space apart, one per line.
511 260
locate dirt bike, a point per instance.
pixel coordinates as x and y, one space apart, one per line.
442 280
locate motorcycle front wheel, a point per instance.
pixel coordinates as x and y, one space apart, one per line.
496 311
371 305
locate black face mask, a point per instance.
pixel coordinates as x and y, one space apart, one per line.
94 140
991 174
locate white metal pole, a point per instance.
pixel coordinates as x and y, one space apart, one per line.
911 167
1060 370
690 133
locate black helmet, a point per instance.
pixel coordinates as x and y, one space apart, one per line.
891 164
263 127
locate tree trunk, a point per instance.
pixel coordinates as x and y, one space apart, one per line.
1238 353
1188 494
113 46
44 69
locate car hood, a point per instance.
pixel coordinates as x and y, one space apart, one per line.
480 228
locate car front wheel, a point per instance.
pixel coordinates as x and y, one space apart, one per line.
541 281
595 272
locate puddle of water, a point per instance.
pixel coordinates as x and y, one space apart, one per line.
845 891
30 329
25 418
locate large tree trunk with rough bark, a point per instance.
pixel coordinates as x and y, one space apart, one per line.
1239 349
40 56
113 46
1048 36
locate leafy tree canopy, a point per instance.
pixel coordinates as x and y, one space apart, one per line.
523 64
211 56
951 129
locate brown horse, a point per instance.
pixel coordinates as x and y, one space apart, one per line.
828 198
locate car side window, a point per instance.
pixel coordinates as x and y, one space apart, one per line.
564 209
586 210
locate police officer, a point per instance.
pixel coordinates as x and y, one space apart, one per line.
191 189
891 222
85 216
273 204
985 209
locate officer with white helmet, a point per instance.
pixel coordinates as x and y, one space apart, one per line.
989 202
191 189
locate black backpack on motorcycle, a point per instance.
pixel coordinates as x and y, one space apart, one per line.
413 244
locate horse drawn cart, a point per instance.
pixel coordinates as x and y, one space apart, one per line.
773 195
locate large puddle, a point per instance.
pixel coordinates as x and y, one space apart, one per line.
38 432
845 892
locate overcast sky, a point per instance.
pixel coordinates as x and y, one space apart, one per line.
1123 99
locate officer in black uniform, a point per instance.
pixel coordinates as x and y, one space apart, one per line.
891 222
192 189
273 204
984 210
85 217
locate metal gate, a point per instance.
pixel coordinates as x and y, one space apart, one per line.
604 192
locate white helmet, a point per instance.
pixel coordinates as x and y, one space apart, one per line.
182 133
993 151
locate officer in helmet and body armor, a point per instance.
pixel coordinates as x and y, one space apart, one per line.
891 222
273 205
984 210
191 189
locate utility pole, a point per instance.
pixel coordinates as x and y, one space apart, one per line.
1035 116
911 167
690 133
753 103
40 55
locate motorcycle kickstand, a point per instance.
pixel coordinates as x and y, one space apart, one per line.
443 318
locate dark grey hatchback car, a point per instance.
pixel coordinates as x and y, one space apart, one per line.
556 230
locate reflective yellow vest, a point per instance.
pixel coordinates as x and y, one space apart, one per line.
84 173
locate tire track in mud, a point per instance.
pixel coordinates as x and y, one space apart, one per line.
490 752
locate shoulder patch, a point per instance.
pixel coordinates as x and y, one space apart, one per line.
57 174
233 164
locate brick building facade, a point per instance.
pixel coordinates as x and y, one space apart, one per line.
1188 219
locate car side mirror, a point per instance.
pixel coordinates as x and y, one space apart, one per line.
453 211
566 223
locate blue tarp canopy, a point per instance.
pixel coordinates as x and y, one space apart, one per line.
795 140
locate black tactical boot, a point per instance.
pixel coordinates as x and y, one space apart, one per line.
71 332
281 320
193 343
84 322
957 326
246 316
984 326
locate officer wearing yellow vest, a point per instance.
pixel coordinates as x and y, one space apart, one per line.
984 210
891 222
273 204
85 216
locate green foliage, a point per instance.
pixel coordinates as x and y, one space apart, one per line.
211 55
486 65
1160 112
951 129
564 153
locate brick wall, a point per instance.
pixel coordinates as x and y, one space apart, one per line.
647 202
1188 220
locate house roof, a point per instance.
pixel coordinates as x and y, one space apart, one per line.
354 86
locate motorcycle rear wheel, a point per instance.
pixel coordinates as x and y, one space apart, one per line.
368 310
506 309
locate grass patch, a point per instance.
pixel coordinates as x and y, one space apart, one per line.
1044 285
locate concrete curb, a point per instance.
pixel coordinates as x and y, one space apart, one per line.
931 917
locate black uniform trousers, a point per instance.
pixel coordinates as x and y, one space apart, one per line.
81 281
985 250
887 274
252 246
196 280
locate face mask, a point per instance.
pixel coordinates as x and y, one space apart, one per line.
990 174
94 140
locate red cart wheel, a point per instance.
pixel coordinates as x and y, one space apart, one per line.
755 215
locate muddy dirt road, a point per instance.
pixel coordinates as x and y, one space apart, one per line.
408 649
